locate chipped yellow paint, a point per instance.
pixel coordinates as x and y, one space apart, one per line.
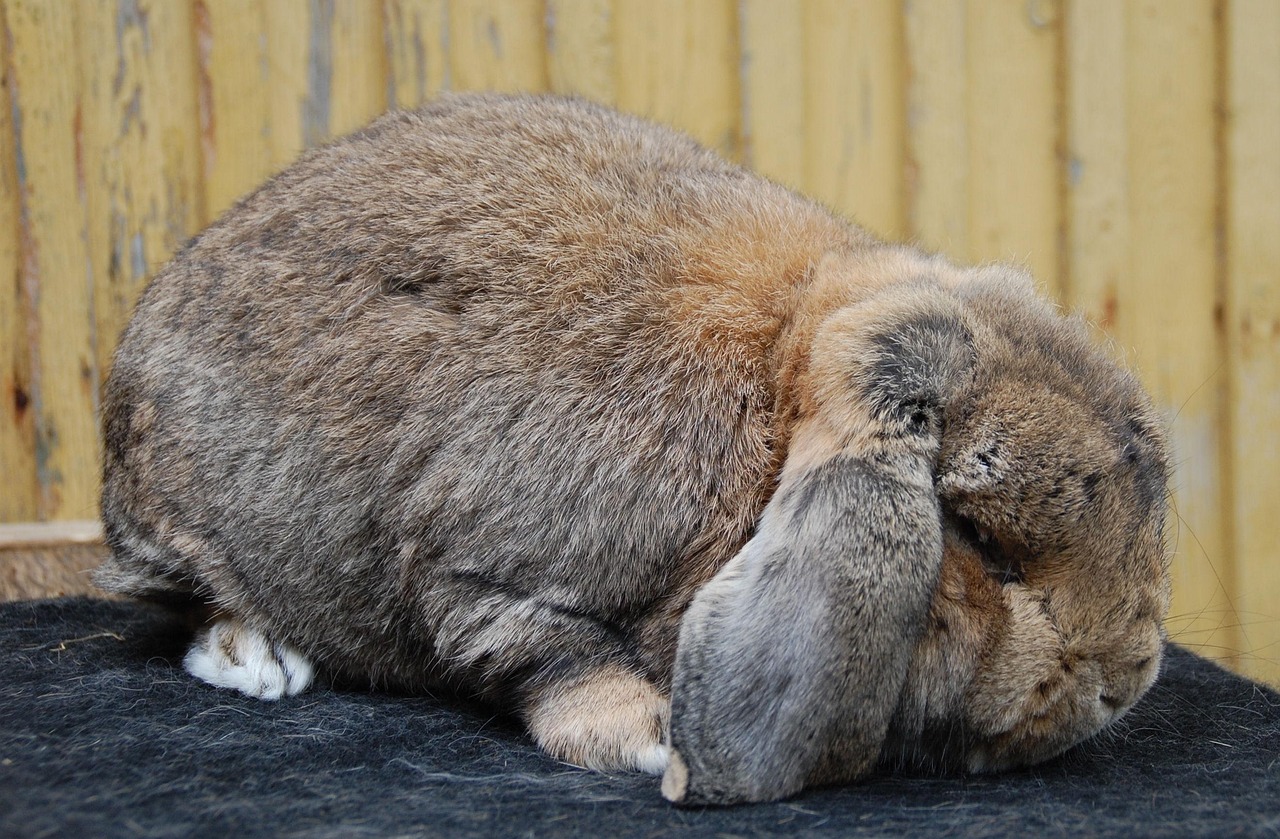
140 150
773 95
680 66
1014 201
358 80
1253 325
937 141
580 57
298 48
17 429
1140 208
1097 191
416 50
497 45
235 108
855 120
55 264
1168 298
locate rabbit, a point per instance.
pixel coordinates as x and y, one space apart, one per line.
530 402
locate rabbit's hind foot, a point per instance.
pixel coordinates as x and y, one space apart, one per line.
610 719
229 654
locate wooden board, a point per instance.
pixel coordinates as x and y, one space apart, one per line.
937 138
773 85
55 260
417 65
1169 298
139 148
1253 327
19 501
234 79
497 45
49 560
580 50
1013 135
681 66
855 120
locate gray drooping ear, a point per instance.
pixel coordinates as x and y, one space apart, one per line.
791 659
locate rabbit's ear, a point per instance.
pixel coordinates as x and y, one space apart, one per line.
791 659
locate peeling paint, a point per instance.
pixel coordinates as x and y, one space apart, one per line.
316 106
419 64
133 113
495 38
129 16
20 401
204 86
137 257
1075 171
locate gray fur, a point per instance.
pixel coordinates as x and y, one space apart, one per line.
480 397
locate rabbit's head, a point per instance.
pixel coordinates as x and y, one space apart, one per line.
964 562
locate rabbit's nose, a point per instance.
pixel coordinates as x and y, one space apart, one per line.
1125 683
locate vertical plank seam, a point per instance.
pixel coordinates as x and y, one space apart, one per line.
735 45
388 50
1061 153
746 141
446 44
910 154
1225 392
28 285
201 44
82 195
317 107
544 54
28 296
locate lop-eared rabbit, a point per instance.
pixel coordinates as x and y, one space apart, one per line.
546 406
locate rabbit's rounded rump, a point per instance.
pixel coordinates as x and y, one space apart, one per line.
535 402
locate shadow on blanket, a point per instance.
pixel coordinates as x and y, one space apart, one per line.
103 734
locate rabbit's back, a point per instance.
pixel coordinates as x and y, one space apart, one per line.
490 371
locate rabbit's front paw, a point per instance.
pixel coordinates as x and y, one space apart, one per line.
611 719
229 654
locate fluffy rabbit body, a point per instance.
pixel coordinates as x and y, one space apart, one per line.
531 401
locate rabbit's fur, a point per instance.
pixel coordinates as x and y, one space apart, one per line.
485 396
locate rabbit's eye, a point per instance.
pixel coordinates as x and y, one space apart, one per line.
1001 565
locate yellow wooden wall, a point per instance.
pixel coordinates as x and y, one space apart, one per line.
1127 150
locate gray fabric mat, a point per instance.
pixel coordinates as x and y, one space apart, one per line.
103 734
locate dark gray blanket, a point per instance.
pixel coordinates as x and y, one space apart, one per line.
103 734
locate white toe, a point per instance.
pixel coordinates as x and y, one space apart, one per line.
654 759
232 655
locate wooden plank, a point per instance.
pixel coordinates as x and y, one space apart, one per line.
680 60
51 534
417 63
1014 183
298 50
773 84
17 427
235 107
55 260
497 45
937 142
1140 247
1253 324
140 149
1171 293
1098 246
358 78
855 118
580 55
49 560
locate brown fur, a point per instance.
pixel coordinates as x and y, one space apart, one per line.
483 396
